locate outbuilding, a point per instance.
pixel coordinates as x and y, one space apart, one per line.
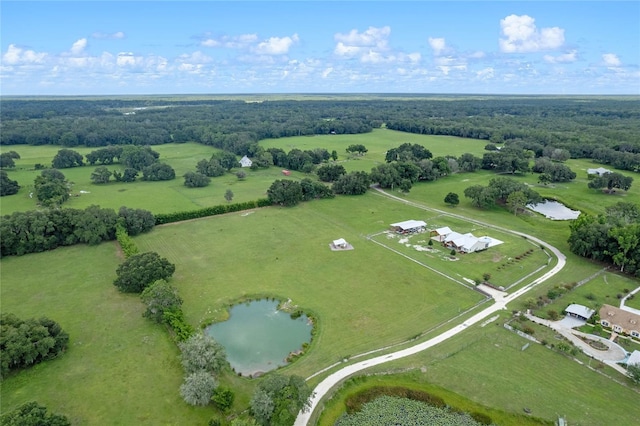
579 311
245 162
409 226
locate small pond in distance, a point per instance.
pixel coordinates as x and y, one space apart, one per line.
554 210
258 337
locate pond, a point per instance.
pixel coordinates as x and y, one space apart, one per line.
554 210
258 337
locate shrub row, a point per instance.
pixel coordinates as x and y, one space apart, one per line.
175 319
35 231
127 245
162 219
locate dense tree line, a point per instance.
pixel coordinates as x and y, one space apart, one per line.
27 342
604 129
613 237
39 230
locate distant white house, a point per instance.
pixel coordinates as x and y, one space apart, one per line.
599 171
579 311
464 243
467 243
245 162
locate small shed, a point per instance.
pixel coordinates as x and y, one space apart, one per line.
286 172
245 162
409 226
340 243
579 311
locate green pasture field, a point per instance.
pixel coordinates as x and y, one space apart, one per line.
364 299
158 197
271 251
488 366
119 368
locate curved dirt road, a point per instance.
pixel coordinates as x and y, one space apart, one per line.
325 386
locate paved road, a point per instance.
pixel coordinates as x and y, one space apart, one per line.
501 301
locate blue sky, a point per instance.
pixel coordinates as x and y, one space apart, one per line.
163 47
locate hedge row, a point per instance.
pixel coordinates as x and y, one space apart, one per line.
161 219
127 245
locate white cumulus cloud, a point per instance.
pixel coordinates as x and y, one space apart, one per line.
522 36
18 56
566 58
365 44
437 44
611 60
78 47
276 45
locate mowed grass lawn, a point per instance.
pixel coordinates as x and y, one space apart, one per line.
119 368
364 298
487 364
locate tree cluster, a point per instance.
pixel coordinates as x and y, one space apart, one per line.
33 414
139 271
7 186
287 192
504 191
67 158
611 181
278 399
552 171
51 188
6 159
39 230
105 156
27 342
357 149
218 164
297 159
202 359
330 172
613 237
